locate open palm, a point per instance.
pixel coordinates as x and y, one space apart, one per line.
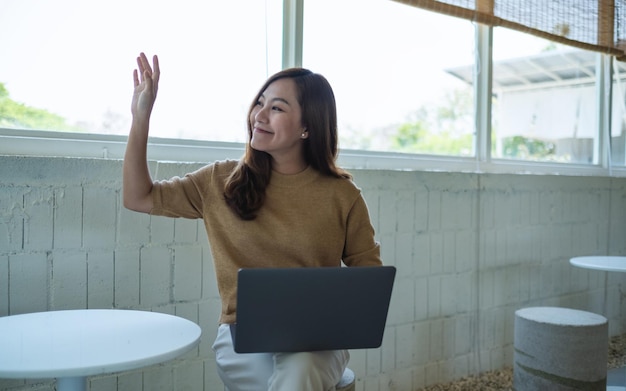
146 80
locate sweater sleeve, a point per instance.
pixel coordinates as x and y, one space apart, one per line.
360 249
180 197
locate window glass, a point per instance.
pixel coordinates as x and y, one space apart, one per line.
618 125
389 65
544 106
67 64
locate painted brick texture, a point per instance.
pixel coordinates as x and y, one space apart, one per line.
470 249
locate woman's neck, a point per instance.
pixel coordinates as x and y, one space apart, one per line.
289 167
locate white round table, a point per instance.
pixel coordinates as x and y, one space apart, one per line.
71 345
602 263
599 262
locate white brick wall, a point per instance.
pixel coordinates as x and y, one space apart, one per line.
470 249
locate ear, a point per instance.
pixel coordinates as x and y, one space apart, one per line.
305 134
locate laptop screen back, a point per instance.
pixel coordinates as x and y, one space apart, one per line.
308 309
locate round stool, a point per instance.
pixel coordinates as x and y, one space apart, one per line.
347 382
559 349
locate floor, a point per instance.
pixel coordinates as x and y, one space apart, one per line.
616 377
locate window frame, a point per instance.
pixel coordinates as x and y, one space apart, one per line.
100 146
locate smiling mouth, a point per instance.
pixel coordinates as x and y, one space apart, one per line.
259 130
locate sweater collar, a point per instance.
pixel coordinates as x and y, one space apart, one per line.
294 180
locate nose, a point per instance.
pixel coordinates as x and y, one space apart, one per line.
260 114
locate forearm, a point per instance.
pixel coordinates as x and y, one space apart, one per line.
137 182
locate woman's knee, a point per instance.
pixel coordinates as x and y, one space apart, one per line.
308 370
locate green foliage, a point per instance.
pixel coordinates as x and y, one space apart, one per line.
409 136
18 115
520 147
442 130
448 130
415 138
4 93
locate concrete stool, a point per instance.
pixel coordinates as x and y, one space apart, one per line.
559 349
347 382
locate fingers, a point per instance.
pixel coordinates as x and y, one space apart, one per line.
135 78
146 71
147 79
157 70
143 64
156 74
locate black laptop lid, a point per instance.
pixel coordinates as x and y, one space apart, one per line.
308 309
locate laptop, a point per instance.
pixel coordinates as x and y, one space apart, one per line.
310 309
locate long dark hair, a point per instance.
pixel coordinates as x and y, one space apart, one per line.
245 188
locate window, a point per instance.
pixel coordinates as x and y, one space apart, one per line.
389 66
67 64
545 105
404 79
618 123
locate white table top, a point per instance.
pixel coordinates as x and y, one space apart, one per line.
598 262
89 342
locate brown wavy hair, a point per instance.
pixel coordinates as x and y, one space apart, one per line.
245 188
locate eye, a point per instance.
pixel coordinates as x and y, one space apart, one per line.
276 108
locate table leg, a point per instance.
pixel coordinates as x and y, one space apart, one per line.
71 383
617 380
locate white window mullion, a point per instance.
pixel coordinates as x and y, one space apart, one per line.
604 86
292 33
482 92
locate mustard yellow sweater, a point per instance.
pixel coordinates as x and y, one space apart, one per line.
308 220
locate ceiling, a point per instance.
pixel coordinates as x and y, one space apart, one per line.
551 68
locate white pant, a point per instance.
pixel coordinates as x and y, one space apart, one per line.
305 371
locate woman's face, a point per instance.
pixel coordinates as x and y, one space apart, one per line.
276 121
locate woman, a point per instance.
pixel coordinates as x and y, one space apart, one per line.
284 204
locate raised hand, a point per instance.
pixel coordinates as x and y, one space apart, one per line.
137 187
146 81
